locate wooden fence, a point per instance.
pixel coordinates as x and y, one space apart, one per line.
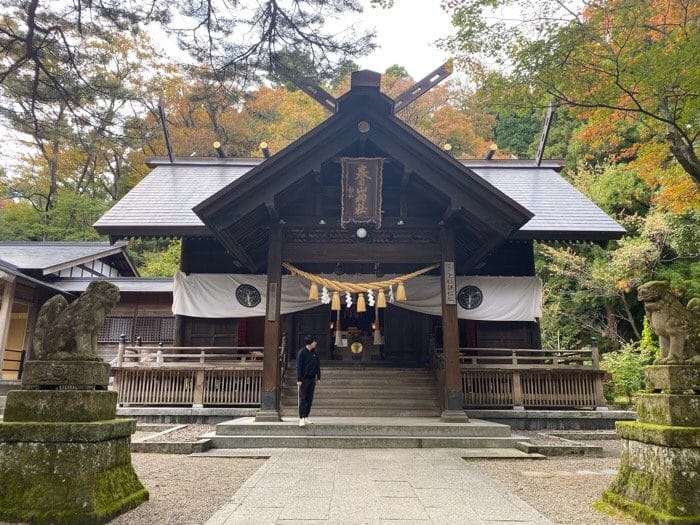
527 378
190 376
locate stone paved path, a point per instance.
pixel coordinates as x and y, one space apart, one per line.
372 486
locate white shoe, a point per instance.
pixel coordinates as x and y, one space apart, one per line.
308 421
302 422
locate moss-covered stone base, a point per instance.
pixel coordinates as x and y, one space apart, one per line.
664 435
79 375
60 405
69 482
645 513
669 409
658 484
672 379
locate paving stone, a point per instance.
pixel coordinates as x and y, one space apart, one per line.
428 486
456 515
446 498
395 489
401 509
306 509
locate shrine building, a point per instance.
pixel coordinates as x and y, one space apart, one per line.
394 254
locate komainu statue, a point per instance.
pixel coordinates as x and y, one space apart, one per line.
678 327
69 332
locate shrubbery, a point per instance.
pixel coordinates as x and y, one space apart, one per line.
627 369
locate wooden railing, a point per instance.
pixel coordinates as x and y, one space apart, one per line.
194 376
528 357
532 378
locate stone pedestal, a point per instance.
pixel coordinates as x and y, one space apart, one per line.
659 477
64 456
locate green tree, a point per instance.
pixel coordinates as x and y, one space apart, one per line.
635 57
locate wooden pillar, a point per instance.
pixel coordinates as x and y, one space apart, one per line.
453 406
179 335
7 292
269 409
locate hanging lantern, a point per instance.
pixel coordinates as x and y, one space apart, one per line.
361 303
335 302
400 292
381 299
313 292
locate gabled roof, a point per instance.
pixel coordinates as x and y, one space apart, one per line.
50 257
7 269
161 204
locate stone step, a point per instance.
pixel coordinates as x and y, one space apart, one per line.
369 384
361 404
367 441
364 412
349 427
367 370
328 392
471 453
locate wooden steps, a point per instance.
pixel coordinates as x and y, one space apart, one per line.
357 391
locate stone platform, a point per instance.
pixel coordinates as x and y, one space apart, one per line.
363 432
659 476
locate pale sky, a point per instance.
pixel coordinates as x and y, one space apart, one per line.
406 35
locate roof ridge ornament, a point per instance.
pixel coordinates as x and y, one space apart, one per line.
367 78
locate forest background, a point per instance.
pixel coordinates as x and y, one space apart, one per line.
80 82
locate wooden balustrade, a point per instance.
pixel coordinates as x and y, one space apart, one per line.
194 376
528 357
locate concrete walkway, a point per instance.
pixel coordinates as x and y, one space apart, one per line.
372 486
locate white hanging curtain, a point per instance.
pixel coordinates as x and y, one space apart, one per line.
237 295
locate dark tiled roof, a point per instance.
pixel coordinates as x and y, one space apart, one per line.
557 205
125 284
161 204
30 255
14 271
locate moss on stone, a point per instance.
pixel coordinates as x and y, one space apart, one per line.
49 432
669 409
670 495
645 513
91 500
663 435
60 405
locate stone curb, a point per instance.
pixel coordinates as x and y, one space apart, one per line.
171 447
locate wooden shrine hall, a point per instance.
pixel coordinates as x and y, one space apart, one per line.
362 232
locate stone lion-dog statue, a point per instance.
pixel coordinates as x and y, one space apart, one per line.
677 326
68 332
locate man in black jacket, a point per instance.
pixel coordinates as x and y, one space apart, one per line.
308 374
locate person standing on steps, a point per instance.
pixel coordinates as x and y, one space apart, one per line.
308 374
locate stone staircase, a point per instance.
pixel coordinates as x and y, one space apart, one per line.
492 439
357 391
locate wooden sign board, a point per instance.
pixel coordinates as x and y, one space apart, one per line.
361 197
450 282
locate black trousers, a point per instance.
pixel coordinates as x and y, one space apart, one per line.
306 395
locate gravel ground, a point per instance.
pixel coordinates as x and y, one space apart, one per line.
185 490
562 488
188 433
